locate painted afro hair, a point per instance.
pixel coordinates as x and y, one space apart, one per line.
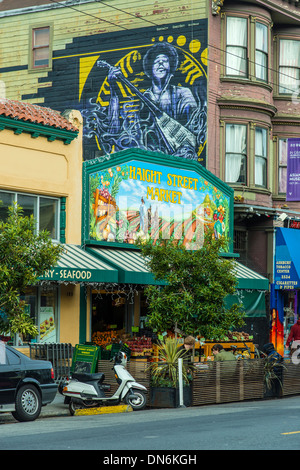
154 51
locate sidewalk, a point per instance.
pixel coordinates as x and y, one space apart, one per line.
59 408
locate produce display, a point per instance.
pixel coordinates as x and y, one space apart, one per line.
143 345
104 338
140 346
238 336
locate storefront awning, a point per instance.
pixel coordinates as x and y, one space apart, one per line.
133 269
77 265
248 279
130 264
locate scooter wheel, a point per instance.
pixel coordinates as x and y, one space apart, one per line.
136 399
72 407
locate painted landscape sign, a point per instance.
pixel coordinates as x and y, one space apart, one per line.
141 199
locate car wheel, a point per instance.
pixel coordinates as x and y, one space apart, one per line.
28 403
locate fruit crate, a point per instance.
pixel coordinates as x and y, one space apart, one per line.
104 354
115 348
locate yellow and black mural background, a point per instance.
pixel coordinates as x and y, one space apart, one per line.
110 78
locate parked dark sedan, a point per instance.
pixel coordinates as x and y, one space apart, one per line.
25 384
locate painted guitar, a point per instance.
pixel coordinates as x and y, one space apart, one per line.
174 134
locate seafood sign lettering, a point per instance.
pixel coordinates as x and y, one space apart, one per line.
160 194
63 274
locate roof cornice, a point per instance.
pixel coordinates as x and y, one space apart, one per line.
37 130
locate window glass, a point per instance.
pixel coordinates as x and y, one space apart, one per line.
29 205
236 47
261 157
48 216
289 62
41 37
12 357
45 210
41 57
40 47
261 52
6 201
236 153
282 167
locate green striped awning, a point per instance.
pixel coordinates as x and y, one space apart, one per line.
77 265
133 269
130 264
249 279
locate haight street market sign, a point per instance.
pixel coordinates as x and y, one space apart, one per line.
142 198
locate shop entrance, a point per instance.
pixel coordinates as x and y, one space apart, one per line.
111 312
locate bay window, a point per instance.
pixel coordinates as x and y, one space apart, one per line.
247 54
236 153
261 157
246 154
261 52
236 46
289 65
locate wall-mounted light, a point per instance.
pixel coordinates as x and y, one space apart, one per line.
282 216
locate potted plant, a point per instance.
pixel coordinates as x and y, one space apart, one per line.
164 384
273 368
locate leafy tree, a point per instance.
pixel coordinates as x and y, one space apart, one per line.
24 256
196 285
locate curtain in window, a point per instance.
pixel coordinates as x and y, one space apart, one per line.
236 144
261 157
236 50
282 173
289 62
261 54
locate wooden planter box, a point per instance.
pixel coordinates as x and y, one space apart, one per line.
275 391
168 397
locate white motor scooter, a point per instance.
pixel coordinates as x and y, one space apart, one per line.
88 390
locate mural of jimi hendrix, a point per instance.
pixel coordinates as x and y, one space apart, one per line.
164 118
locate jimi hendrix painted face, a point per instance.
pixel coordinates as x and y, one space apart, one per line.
161 67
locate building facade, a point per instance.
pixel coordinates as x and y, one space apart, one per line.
41 159
213 82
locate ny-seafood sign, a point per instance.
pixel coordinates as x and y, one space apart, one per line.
146 200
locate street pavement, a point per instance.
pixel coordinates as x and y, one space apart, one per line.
56 408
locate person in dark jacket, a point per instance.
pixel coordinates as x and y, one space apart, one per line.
271 353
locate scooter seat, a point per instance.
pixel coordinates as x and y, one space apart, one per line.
84 377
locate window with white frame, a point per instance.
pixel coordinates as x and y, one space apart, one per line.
282 165
261 52
289 65
236 46
44 209
261 153
236 153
